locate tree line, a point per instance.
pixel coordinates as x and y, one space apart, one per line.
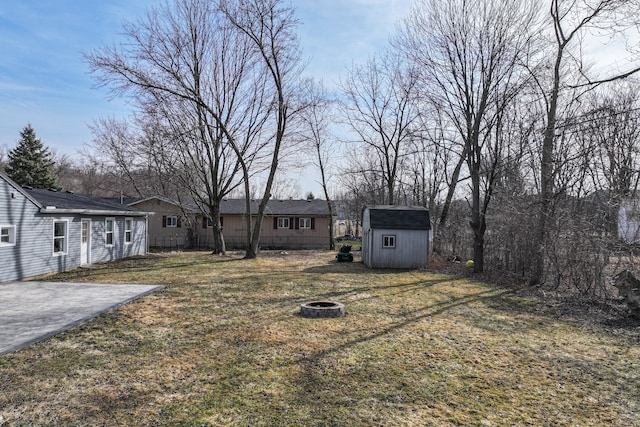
487 112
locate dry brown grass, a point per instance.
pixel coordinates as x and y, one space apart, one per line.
223 344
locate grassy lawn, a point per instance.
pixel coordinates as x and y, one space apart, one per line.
223 344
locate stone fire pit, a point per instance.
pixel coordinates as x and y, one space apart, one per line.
322 309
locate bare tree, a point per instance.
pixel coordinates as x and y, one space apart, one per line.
269 27
571 20
3 155
212 76
439 152
609 133
469 53
315 132
118 144
378 108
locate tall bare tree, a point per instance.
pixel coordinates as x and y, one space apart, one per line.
469 51
269 27
572 21
315 131
609 132
213 76
378 108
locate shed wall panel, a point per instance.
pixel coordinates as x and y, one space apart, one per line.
411 249
411 245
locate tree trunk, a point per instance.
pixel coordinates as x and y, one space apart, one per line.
444 215
219 247
546 176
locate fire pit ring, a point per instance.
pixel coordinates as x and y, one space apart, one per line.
318 309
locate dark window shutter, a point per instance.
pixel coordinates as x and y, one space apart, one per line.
179 221
275 222
221 221
297 223
204 222
164 221
313 223
291 223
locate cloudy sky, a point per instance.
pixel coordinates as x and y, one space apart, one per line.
44 79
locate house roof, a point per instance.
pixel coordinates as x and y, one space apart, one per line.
399 217
314 207
63 201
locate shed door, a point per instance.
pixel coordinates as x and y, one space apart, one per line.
85 242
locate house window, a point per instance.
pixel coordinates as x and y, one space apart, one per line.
283 222
108 231
84 232
208 222
59 237
128 224
304 223
389 241
7 235
171 221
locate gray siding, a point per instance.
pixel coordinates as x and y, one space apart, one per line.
411 245
100 252
32 254
411 249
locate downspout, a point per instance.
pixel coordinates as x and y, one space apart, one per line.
146 237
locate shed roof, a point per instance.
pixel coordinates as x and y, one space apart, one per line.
399 217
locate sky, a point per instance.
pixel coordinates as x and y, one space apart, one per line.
45 82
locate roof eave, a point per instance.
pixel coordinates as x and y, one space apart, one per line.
94 212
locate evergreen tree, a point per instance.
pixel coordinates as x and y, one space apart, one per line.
30 163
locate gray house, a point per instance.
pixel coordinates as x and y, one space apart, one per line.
45 231
395 236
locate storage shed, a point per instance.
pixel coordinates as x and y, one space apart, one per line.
395 236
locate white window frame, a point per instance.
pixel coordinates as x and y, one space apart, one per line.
64 237
108 232
128 231
304 223
7 235
283 222
389 241
171 221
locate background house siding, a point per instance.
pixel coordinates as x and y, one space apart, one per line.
629 222
162 236
234 231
